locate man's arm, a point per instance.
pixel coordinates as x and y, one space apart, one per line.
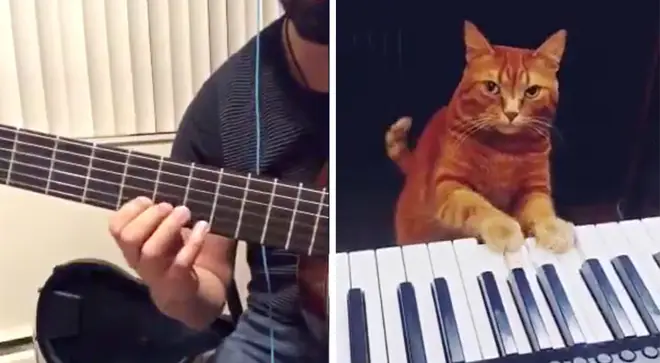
197 141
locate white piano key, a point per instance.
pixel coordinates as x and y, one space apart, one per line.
419 273
568 266
343 284
466 253
630 237
494 262
653 227
593 244
445 265
641 238
522 259
364 275
391 274
570 263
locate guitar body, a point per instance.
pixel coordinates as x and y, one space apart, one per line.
313 273
93 311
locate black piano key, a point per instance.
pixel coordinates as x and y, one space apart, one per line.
412 329
530 315
444 311
561 308
606 299
656 257
499 322
358 333
638 292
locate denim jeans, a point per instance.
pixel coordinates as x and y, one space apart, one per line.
295 342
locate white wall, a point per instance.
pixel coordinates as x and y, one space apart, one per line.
39 232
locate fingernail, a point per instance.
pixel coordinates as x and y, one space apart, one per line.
201 227
143 200
164 206
182 213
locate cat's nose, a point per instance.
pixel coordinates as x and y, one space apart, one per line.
511 115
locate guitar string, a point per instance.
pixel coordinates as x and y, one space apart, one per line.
221 206
257 125
167 161
160 170
111 205
278 229
160 183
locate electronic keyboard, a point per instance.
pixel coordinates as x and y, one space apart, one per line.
460 302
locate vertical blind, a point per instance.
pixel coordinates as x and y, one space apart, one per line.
83 68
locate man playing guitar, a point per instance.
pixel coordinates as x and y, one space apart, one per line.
187 271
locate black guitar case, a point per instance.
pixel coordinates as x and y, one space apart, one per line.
91 311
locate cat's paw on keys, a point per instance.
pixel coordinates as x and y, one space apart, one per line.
501 233
554 234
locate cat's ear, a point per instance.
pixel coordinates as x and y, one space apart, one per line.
553 47
476 43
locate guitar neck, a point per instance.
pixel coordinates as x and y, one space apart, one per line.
246 207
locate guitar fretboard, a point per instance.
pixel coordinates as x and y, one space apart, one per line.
261 210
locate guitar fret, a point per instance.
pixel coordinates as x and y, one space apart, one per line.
277 226
123 180
308 220
201 195
6 146
30 162
256 193
106 177
228 204
243 200
190 175
310 251
70 169
52 164
89 172
293 217
270 207
140 176
160 168
174 185
224 189
215 196
12 157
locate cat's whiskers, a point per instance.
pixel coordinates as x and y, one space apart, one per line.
540 121
552 127
540 131
544 128
473 126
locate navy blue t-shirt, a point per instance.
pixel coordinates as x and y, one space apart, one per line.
219 129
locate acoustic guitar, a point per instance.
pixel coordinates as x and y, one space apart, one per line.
256 209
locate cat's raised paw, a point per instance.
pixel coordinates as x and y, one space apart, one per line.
554 234
501 233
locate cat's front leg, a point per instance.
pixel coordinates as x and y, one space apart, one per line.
537 216
467 211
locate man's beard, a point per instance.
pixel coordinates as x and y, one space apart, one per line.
311 19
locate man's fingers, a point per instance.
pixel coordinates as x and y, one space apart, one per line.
186 257
137 232
126 214
157 249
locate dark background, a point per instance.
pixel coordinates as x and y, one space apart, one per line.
395 60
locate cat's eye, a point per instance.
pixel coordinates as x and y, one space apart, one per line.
492 87
532 91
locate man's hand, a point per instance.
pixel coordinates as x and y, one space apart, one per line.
150 237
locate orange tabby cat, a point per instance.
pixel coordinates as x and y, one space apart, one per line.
481 166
